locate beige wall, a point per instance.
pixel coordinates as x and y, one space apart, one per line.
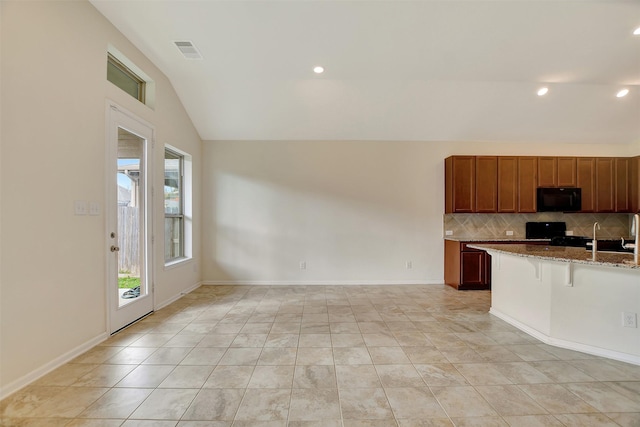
355 212
54 93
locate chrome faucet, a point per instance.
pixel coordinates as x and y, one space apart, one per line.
635 230
594 243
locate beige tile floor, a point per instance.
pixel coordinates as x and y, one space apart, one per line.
329 356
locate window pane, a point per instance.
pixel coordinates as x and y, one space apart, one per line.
172 183
173 247
173 206
125 79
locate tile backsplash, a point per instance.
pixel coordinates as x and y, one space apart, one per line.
495 226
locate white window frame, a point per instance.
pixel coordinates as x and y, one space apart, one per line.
187 206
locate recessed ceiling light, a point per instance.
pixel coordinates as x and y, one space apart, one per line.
318 70
622 93
636 32
543 91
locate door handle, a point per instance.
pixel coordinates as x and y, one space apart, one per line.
114 248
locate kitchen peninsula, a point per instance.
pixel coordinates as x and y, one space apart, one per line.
563 298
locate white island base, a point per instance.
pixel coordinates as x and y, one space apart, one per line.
568 304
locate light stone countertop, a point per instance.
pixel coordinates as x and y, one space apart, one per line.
494 239
562 253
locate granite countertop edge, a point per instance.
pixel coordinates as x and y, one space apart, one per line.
494 239
561 254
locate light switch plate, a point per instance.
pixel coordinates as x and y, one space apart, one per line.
80 207
94 208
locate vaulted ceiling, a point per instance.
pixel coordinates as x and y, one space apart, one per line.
397 70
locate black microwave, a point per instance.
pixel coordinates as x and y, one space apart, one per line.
559 199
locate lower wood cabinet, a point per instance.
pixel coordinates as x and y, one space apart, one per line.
466 268
475 269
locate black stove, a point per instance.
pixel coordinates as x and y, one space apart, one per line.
545 230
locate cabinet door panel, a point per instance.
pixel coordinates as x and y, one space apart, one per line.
463 187
622 181
585 179
508 184
473 268
487 270
634 189
527 184
605 185
486 184
567 172
547 172
452 263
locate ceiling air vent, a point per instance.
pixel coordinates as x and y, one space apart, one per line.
188 50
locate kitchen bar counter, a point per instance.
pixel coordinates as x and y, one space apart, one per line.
466 268
495 239
558 295
562 253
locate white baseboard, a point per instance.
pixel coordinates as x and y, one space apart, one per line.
177 296
32 376
38 373
318 282
569 345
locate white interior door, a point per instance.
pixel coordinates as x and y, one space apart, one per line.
129 219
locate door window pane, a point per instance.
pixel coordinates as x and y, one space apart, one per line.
130 188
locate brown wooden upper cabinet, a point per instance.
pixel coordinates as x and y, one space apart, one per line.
517 183
634 187
508 184
622 183
460 184
585 179
547 171
556 171
613 181
527 184
486 184
605 194
567 172
489 184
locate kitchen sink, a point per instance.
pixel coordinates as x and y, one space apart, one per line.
610 246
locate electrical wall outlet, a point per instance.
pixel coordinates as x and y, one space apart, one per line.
630 320
303 265
569 233
409 265
448 233
509 232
